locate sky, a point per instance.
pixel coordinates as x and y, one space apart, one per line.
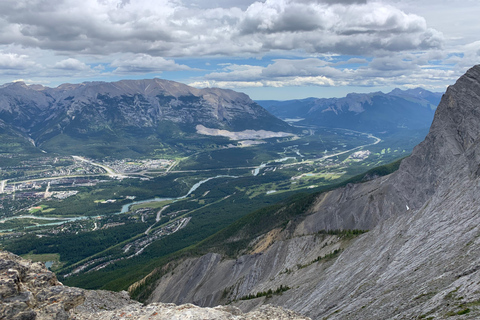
269 49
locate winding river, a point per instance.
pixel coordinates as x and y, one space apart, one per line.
125 207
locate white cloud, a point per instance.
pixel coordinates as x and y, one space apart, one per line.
286 82
71 64
13 61
301 81
237 72
226 84
396 70
303 67
143 63
470 55
168 28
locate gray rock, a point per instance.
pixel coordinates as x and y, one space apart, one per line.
31 292
162 311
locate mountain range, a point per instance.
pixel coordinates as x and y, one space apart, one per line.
132 118
123 116
369 112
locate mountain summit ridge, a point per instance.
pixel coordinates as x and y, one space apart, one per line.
97 113
378 112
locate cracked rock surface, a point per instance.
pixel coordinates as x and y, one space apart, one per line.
170 311
29 290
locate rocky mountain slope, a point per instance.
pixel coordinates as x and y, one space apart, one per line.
420 259
129 111
411 109
30 291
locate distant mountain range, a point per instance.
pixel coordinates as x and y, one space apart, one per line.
123 116
371 112
138 117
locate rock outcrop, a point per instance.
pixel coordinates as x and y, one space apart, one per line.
420 259
29 291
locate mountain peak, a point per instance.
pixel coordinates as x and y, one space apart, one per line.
145 106
456 120
414 91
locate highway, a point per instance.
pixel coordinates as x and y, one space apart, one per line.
109 170
113 174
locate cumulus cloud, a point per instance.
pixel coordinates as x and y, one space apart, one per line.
237 72
288 67
316 27
170 28
469 56
143 63
296 42
286 82
71 64
281 73
398 70
13 61
226 84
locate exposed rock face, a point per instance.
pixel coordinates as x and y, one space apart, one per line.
212 279
30 291
170 311
421 258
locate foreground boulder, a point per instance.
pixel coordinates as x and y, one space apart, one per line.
28 290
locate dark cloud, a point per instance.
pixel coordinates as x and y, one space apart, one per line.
294 18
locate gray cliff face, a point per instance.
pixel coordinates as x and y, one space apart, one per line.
449 146
212 280
420 259
29 291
